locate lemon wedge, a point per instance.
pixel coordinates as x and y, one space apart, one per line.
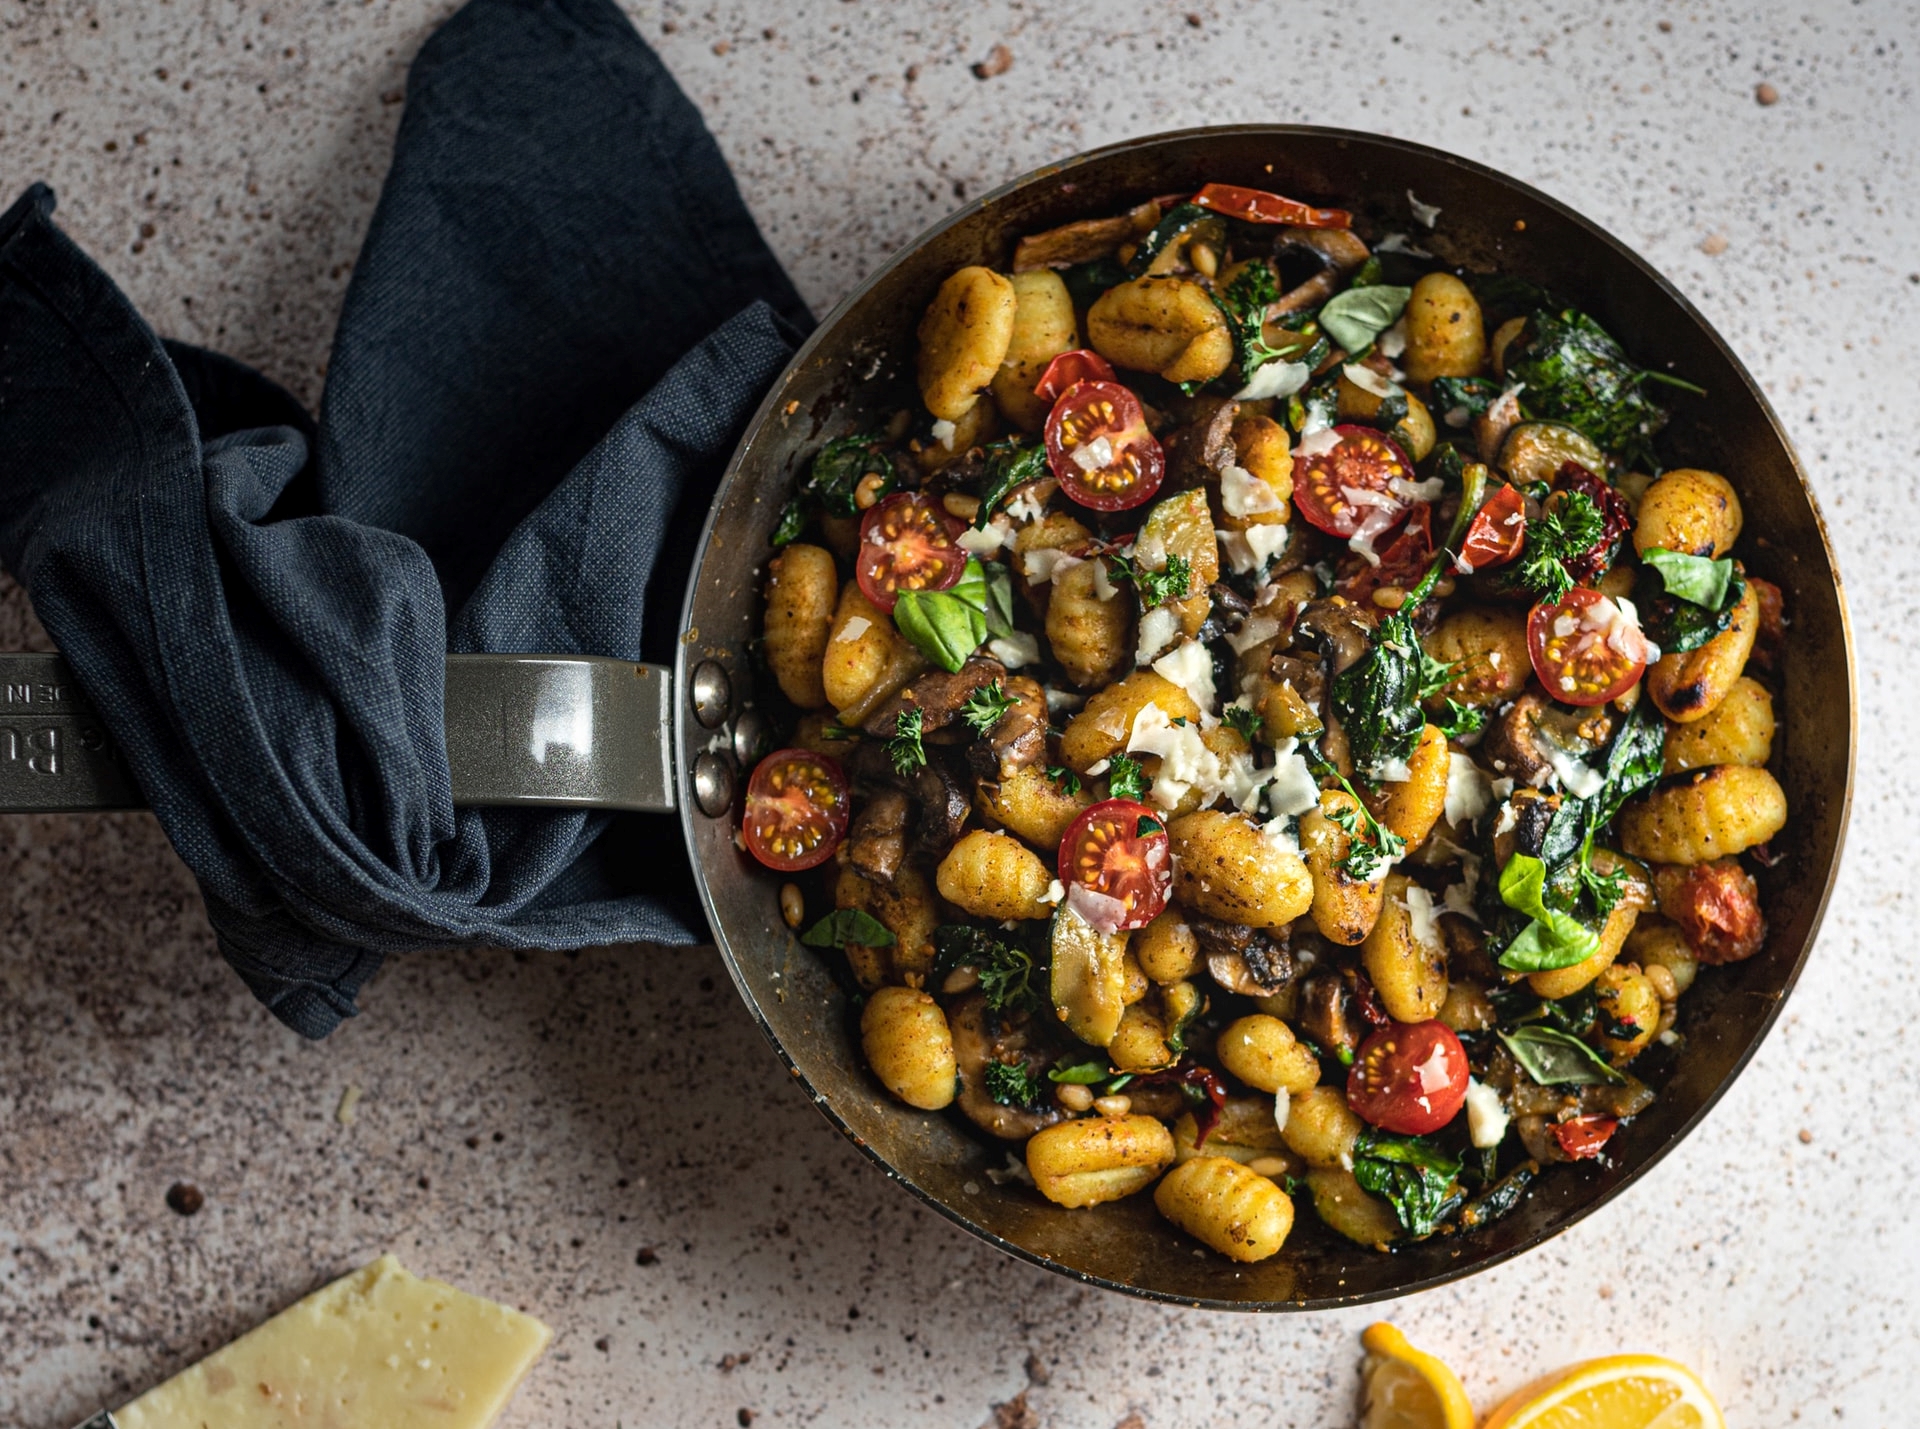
1618 1392
1408 1388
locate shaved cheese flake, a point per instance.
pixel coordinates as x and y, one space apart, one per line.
1101 910
1318 443
1469 790
1157 630
1243 494
1367 380
1582 781
1278 835
1509 816
944 432
1055 892
1043 565
1428 490
1294 790
1027 507
1103 586
1254 630
997 535
1282 1108
1191 668
1421 917
1062 701
1487 1116
1096 455
1426 213
1098 767
856 626
1016 650
1400 243
1274 379
1393 342
1185 761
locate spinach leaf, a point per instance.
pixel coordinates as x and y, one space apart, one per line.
1574 372
1553 939
1356 317
1414 1176
1675 624
1555 1058
1693 578
1009 464
1635 761
948 625
1378 696
846 926
832 478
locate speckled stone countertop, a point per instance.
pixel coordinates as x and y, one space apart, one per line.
605 1139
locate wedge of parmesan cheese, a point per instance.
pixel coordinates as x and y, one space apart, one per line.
379 1349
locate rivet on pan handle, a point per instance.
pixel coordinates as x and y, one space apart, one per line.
556 731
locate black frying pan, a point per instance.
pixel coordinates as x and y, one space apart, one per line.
665 739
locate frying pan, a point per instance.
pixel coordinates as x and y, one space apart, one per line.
660 739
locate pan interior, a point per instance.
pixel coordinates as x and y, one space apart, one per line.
857 370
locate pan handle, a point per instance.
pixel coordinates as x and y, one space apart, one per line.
557 731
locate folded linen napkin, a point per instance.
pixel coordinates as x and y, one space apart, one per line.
560 322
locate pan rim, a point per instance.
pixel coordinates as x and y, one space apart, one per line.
685 731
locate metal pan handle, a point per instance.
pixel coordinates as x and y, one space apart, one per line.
558 731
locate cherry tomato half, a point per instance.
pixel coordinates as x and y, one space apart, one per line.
1496 532
1583 1136
1119 849
1409 1077
907 543
1350 459
1584 648
1100 449
1259 206
1080 365
796 810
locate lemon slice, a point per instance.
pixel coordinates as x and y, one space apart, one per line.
1409 1389
1618 1392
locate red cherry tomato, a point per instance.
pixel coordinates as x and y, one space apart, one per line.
1080 365
1329 465
1409 1077
1583 1136
797 810
1119 849
907 543
1584 649
1496 532
1259 206
1100 449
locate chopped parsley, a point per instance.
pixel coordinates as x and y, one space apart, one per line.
986 707
1457 720
1005 969
1171 582
1012 1084
904 748
1065 778
1125 778
1564 531
1243 718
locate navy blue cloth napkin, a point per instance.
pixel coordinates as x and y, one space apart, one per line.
561 320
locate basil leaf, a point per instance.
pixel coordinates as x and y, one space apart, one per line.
948 625
999 611
793 520
1555 1058
1412 1175
1356 317
1009 464
1553 939
1695 578
848 926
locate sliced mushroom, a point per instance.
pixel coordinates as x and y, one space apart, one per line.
1199 451
1339 251
1518 744
1253 962
1336 629
942 797
878 839
980 1037
1084 240
1324 1015
937 695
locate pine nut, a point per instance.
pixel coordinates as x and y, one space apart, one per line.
793 908
1074 1097
1113 1106
868 491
